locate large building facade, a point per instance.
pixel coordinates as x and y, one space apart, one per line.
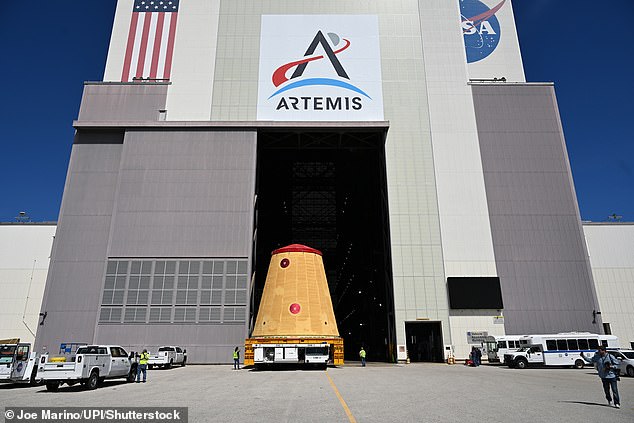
25 249
611 249
400 138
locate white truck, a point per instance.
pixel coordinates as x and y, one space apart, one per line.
167 356
560 349
90 367
18 364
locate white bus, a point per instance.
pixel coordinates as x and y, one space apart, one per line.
499 345
560 349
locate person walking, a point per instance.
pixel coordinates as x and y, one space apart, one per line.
362 356
142 367
607 365
478 356
236 359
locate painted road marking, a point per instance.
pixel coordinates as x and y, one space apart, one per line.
343 403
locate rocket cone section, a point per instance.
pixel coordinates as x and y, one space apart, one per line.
296 300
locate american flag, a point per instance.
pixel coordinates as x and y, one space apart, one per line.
150 40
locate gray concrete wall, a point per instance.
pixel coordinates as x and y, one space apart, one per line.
167 194
73 286
185 194
122 101
204 343
538 241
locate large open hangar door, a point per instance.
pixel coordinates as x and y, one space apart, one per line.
327 189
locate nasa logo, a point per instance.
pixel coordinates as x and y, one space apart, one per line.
480 28
281 81
20 365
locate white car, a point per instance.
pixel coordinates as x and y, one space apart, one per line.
626 358
168 356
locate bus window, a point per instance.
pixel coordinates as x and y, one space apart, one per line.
551 345
593 343
562 345
573 344
604 342
501 345
583 344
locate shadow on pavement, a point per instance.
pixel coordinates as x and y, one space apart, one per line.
587 403
78 387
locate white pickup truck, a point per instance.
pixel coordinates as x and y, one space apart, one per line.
168 356
91 365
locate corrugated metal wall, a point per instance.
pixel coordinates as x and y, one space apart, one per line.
539 248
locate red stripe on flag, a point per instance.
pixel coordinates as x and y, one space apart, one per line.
143 47
157 45
170 47
128 52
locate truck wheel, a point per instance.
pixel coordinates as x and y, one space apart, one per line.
93 381
630 371
52 386
33 381
521 363
169 365
132 375
579 364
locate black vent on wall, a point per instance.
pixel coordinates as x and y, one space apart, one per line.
475 293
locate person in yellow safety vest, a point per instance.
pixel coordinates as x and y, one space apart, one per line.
142 367
236 359
362 355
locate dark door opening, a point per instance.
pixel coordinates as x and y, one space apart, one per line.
328 190
424 341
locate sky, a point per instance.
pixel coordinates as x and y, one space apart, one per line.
48 52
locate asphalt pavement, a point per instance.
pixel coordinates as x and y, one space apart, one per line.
380 392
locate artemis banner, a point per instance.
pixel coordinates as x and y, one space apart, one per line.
320 68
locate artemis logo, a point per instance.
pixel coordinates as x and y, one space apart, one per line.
281 80
320 68
480 28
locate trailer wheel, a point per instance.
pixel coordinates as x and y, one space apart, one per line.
521 363
579 364
630 371
52 386
93 380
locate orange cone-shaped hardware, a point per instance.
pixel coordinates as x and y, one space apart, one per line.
296 300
